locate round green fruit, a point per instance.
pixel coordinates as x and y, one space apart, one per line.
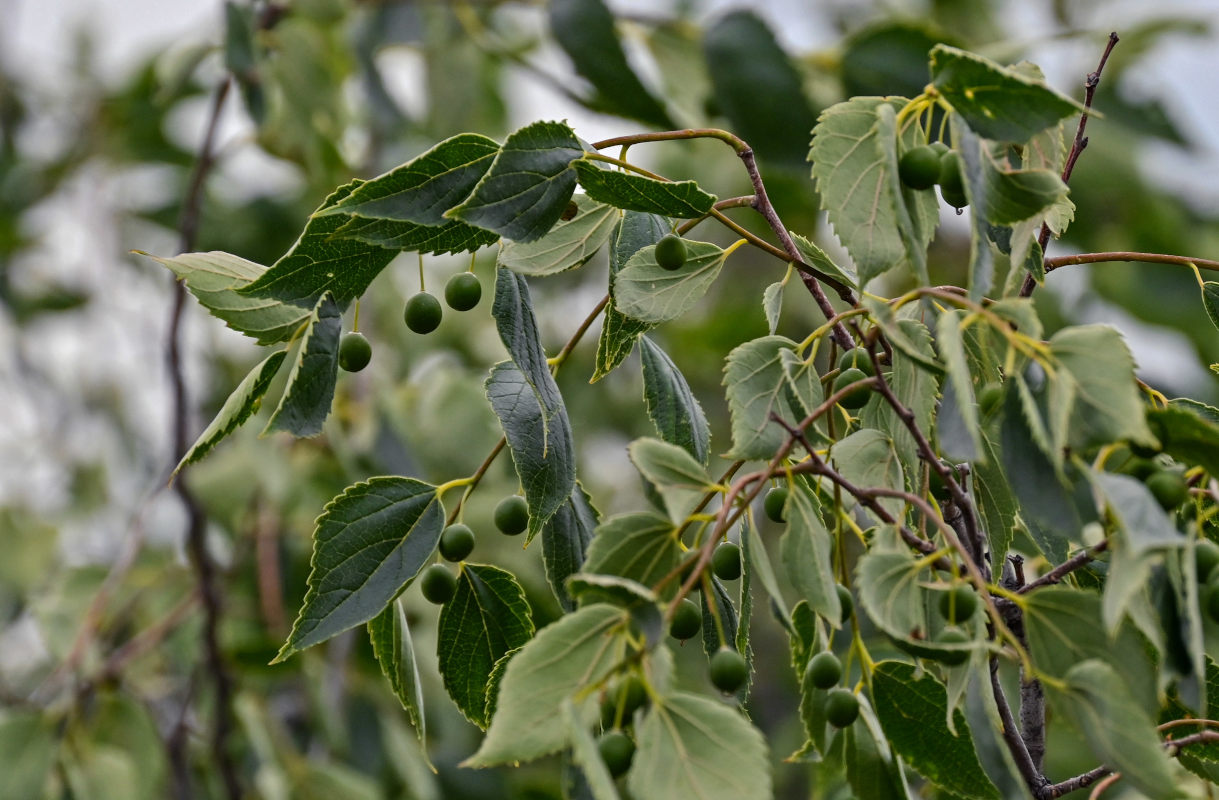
857 398
940 148
825 670
354 352
959 603
1206 558
616 750
629 693
841 707
512 515
774 504
856 358
845 600
456 542
953 636
687 620
952 185
463 291
1141 468
726 561
990 397
671 252
728 670
423 313
438 584
919 167
1169 488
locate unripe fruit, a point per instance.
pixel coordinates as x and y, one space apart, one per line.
919 167
687 620
628 693
463 291
825 670
456 542
939 147
859 397
959 603
953 636
512 515
845 600
1169 488
841 707
616 750
728 670
726 561
671 252
438 584
1141 468
774 504
354 352
857 358
952 185
989 398
1206 558
423 313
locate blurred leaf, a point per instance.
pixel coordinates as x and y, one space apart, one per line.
1187 434
586 755
1210 299
1108 406
646 291
618 331
682 199
680 479
871 768
27 753
568 245
949 342
672 407
306 401
565 540
888 58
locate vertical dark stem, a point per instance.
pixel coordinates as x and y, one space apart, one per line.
1024 762
1032 719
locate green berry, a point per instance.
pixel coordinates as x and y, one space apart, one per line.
1210 596
825 670
629 693
841 707
959 603
856 358
687 620
989 398
919 167
939 147
845 600
1141 468
354 352
463 291
953 636
671 252
512 515
726 561
776 500
456 542
1169 488
952 185
1206 558
438 584
859 397
728 670
423 313
616 750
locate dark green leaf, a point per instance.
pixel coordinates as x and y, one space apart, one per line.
639 546
369 541
618 331
1210 299
568 245
888 58
682 199
565 540
395 652
712 641
410 237
646 291
306 400
808 555
872 770
672 407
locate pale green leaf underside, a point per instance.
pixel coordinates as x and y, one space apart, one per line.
640 546
568 245
646 291
680 479
618 331
759 385
1107 399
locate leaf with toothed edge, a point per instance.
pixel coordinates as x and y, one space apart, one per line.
681 199
648 292
306 400
568 245
394 650
672 407
618 331
565 540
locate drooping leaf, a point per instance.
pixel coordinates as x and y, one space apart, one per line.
1107 406
680 479
369 541
1210 299
1187 434
568 245
238 408
681 199
306 400
808 550
1201 759
910 209
584 752
866 458
576 652
565 540
618 331
646 291
672 407
949 342
759 386
528 186
816 258
872 770
753 550
395 652
981 256
728 622
487 617
640 546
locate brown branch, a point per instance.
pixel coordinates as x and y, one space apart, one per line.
1052 264
1073 563
1011 736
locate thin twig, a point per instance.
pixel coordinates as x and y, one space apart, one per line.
1073 563
1092 776
1033 778
1052 264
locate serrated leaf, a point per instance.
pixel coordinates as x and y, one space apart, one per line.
1107 405
409 237
565 540
672 407
368 542
640 546
690 746
319 262
680 479
646 291
618 331
681 199
808 555
487 617
912 711
584 752
395 653
918 389
214 278
528 186
866 458
306 400
728 620
759 385
997 102
239 407
816 258
1187 434
568 245
578 651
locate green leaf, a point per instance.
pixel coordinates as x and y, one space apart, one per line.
568 245
882 314
640 546
1099 705
27 753
565 539
772 305
680 479
995 501
306 400
424 188
588 588
1200 759
997 102
912 210
872 770
889 57
912 710
578 651
759 385
867 458
951 345
487 617
395 652
409 237
1107 406
672 407
369 541
1187 435
585 31
753 551
808 555
1143 524
240 405
528 185
815 257
586 756
646 291
758 88
919 391
1210 299
618 331
981 257
690 746
214 279
728 618
681 199
320 262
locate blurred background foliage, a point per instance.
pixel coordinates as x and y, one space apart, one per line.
103 688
